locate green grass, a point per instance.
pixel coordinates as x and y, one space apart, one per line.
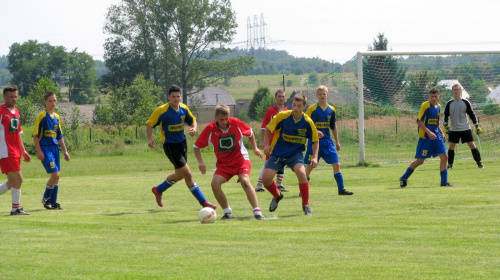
113 229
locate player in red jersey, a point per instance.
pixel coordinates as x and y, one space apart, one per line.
279 106
12 148
225 134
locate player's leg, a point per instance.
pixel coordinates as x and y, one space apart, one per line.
4 188
244 179
300 171
51 163
421 154
193 187
330 155
444 170
259 187
272 166
15 179
468 138
221 198
453 139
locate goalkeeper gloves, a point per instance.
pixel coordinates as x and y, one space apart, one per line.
478 129
446 128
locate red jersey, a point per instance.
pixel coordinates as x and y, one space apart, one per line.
228 144
10 142
270 113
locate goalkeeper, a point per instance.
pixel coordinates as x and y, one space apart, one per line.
456 111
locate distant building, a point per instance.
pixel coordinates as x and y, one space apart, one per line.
203 103
494 95
449 84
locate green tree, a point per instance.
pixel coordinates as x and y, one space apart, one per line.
263 106
258 96
176 41
80 77
37 92
382 75
418 88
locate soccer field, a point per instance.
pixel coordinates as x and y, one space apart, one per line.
111 227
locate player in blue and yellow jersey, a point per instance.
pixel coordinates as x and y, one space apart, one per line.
324 116
431 139
172 118
48 136
291 129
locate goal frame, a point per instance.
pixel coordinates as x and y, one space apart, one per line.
361 109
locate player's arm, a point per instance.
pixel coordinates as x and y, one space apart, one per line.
39 153
26 156
201 164
63 147
267 141
429 133
336 137
256 150
192 128
443 135
149 133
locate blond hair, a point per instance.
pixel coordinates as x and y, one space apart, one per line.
222 110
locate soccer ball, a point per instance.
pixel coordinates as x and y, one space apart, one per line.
207 215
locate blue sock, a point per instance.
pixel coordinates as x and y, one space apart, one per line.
408 173
340 180
164 186
53 194
48 191
198 194
444 177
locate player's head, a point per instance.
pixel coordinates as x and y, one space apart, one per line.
457 91
222 115
10 95
280 97
322 93
434 96
299 104
50 100
174 95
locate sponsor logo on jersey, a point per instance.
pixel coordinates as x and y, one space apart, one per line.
432 121
322 125
226 143
176 127
294 139
49 133
14 124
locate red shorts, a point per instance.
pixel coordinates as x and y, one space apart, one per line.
229 171
10 164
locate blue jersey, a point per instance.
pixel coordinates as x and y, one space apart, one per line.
323 119
48 129
172 122
290 136
429 115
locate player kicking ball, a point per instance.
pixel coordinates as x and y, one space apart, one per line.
431 139
225 134
291 129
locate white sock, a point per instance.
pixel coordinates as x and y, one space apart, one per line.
3 188
257 211
228 210
16 197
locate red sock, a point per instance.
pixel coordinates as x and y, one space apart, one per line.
273 189
304 190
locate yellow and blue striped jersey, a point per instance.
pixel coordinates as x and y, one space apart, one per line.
429 115
48 129
290 136
323 119
172 122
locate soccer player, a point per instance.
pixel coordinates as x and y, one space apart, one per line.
324 117
431 139
47 136
290 131
12 148
279 105
457 110
172 117
225 134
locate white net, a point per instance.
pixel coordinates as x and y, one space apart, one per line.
393 89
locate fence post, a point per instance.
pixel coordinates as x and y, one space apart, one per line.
136 133
90 134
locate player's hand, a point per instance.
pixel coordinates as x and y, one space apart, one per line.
314 162
66 156
151 143
320 134
337 146
431 135
40 155
202 167
258 153
26 156
192 131
267 150
446 128
444 137
479 130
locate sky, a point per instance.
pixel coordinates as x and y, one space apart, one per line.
334 30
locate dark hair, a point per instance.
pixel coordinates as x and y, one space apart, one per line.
48 94
279 91
300 97
434 91
9 89
174 88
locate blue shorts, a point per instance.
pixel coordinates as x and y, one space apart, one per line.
430 148
326 151
279 163
51 160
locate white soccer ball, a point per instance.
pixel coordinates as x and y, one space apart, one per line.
207 215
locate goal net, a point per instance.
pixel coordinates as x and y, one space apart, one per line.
386 90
